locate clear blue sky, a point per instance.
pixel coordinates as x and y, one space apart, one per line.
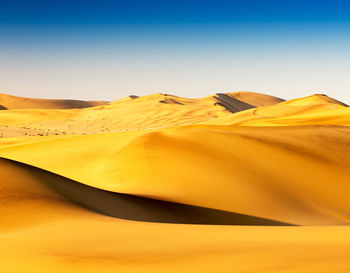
109 49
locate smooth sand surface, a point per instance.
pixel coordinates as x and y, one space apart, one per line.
126 114
14 102
168 184
44 232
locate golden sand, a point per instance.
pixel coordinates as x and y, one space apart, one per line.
83 190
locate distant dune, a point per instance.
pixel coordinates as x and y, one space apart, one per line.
128 114
162 183
13 102
255 99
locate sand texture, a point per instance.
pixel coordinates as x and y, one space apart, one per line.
233 182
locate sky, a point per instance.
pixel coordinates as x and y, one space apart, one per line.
108 49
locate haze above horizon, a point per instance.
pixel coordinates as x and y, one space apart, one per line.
109 49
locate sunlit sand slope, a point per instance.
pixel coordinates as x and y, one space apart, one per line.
108 245
315 109
26 201
127 114
39 185
255 99
13 102
46 232
168 184
279 173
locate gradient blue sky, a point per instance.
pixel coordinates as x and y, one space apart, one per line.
109 49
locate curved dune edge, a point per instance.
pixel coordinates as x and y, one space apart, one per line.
80 241
237 169
299 173
312 110
77 240
15 102
129 207
26 202
125 114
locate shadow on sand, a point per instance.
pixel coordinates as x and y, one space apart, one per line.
130 207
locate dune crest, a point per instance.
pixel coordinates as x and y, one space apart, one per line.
14 102
255 99
122 206
161 183
125 114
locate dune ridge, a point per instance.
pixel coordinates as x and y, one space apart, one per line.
131 207
312 110
161 183
239 173
15 102
231 103
125 114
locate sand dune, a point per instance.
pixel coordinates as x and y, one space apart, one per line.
255 99
122 206
126 114
231 162
13 102
225 161
26 201
312 110
102 244
46 231
231 103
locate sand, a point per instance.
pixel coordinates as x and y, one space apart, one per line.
14 102
235 182
126 114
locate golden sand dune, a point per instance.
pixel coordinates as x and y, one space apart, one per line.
42 231
94 189
13 102
273 173
96 244
315 109
127 114
255 99
26 201
28 183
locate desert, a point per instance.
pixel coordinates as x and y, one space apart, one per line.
231 182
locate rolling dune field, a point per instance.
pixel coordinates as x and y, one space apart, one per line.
233 182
